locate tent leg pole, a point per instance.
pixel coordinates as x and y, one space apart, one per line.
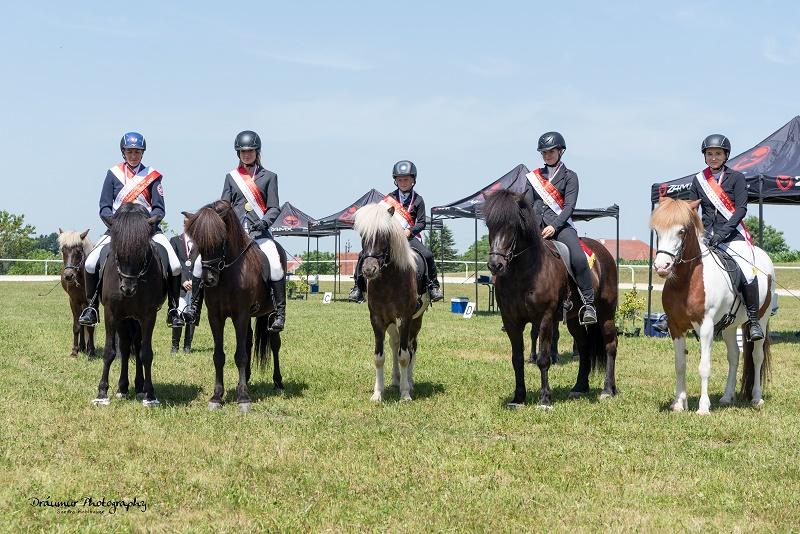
308 270
441 246
476 262
650 275
761 210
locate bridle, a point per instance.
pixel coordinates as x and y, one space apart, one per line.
383 257
678 257
511 254
140 274
217 265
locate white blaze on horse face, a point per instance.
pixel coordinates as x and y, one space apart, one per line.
671 241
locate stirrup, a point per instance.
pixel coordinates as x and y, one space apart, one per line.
86 322
435 293
582 315
282 324
175 318
759 332
356 295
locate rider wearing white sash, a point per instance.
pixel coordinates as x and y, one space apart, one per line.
252 191
723 197
130 181
555 219
413 220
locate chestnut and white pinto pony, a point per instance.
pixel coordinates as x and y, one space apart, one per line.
697 294
389 265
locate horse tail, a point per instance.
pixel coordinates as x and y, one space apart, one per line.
597 347
262 341
748 373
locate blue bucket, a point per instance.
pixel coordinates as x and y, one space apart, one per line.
458 304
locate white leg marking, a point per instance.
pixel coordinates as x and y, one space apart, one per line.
405 388
706 340
377 395
680 404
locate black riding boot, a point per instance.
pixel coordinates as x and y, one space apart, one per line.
433 282
190 311
360 287
751 303
176 340
589 314
279 298
89 316
174 317
187 340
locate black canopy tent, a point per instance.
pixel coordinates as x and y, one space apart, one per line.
514 180
293 222
343 220
772 171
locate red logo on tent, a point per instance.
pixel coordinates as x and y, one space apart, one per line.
291 220
662 190
348 215
784 183
754 157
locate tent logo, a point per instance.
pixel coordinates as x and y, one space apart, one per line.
752 158
784 183
291 221
665 190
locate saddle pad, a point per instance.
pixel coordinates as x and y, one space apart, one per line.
731 267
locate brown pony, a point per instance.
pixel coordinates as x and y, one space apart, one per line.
531 287
235 289
74 249
392 296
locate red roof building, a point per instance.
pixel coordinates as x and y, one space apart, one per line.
629 249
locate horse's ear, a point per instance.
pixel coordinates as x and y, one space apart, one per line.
152 221
522 202
108 220
694 204
187 214
60 231
83 234
391 210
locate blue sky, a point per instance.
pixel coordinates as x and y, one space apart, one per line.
341 90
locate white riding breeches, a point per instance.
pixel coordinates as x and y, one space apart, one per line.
161 239
743 254
267 247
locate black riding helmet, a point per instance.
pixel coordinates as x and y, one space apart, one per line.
247 140
404 167
551 140
716 141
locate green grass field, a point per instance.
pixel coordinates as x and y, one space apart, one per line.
323 457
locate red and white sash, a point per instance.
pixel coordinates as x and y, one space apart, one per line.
401 214
721 200
135 188
247 185
552 197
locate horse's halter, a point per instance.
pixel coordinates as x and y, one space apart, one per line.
80 263
677 258
383 257
140 274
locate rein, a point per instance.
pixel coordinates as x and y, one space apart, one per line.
220 262
511 254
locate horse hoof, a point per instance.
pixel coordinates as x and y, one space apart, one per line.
545 407
514 405
101 402
73 355
575 395
405 397
151 403
121 395
140 396
376 397
726 401
244 407
677 407
213 406
703 411
757 403
605 395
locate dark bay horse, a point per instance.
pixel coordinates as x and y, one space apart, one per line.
74 249
532 285
392 296
235 289
134 288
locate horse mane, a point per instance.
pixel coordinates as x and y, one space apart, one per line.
505 208
131 232
73 239
372 221
675 212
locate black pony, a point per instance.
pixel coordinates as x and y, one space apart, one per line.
134 288
532 285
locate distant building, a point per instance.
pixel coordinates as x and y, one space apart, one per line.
629 249
347 262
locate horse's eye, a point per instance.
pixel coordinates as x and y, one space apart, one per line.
682 231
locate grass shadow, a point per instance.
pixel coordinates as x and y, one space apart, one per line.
784 336
263 389
176 394
422 390
558 395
